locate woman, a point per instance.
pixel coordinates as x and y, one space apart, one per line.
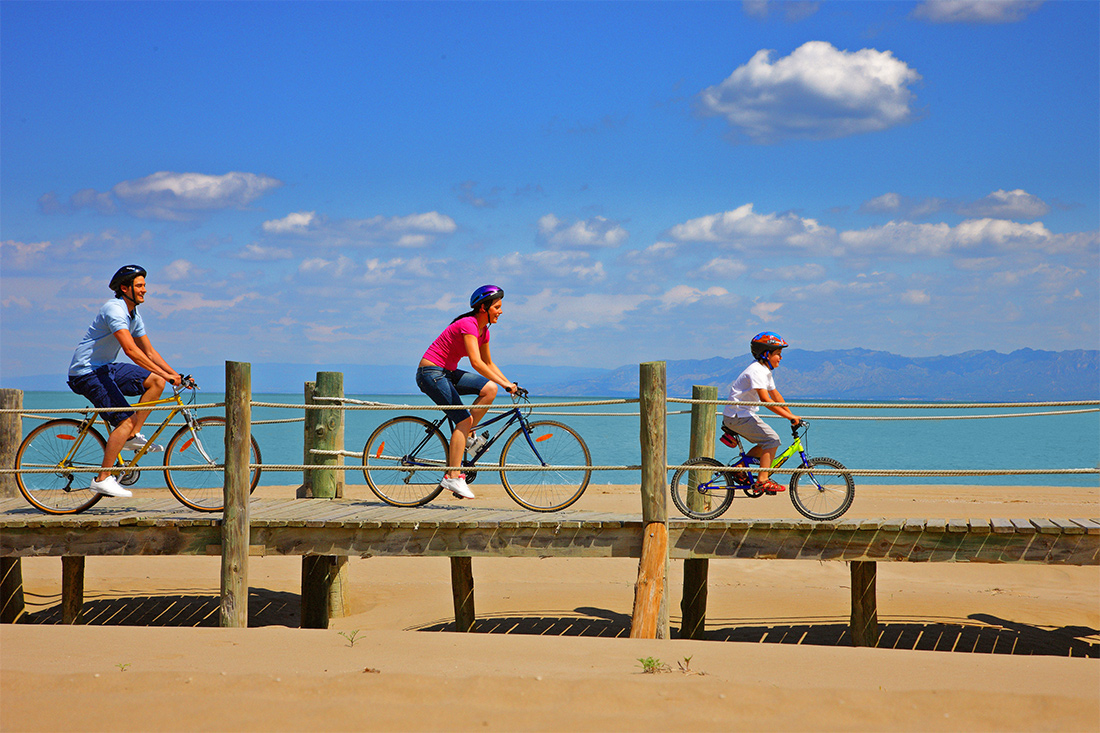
439 377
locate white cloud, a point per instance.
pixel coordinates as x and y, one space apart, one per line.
766 312
412 231
915 297
936 240
556 263
585 234
298 222
180 196
792 10
975 11
722 267
21 255
742 227
588 310
1001 204
260 253
179 270
686 295
818 92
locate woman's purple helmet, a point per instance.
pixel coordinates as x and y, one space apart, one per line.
485 292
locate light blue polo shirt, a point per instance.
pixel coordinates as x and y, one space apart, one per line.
99 346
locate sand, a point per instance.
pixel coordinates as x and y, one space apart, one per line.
964 646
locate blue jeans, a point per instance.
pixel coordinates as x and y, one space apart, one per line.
445 386
108 385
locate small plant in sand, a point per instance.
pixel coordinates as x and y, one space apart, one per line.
652 665
122 666
351 636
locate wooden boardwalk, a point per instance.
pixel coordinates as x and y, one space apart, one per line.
357 528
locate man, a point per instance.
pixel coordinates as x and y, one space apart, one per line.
94 373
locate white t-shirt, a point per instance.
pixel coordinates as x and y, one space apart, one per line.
756 376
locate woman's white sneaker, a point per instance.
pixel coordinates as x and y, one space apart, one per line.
135 443
458 487
109 487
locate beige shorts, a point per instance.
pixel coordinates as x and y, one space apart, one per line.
755 430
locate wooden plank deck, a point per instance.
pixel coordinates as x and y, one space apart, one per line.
341 527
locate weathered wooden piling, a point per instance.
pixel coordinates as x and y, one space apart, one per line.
650 616
235 518
864 620
324 577
693 603
11 569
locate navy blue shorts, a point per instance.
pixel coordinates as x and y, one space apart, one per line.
445 385
108 386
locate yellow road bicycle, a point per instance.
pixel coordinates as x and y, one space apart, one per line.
56 447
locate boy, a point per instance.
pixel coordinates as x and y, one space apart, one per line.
756 384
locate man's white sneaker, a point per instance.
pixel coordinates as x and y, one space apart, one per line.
135 443
475 441
109 487
458 487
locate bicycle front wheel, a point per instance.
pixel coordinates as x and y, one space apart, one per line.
202 489
822 496
57 444
702 489
399 444
546 443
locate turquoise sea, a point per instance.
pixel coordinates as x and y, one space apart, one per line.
1061 440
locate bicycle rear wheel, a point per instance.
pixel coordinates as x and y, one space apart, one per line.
701 489
405 441
553 444
62 491
202 489
822 496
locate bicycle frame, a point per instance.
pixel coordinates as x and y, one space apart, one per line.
777 462
513 415
87 423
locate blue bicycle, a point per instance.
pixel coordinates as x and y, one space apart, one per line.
409 442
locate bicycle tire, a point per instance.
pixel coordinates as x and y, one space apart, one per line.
46 447
550 490
715 500
822 496
203 490
392 445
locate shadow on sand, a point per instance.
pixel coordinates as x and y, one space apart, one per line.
983 634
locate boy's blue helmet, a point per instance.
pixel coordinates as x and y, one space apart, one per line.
485 292
765 343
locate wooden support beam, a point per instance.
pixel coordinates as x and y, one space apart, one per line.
72 588
11 590
235 518
650 618
324 578
11 435
864 621
693 603
462 586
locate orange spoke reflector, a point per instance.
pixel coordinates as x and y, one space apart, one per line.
548 436
381 446
186 445
63 436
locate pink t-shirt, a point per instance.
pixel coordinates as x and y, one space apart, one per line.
447 350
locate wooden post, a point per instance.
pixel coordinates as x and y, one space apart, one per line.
305 491
11 590
693 604
11 435
864 622
462 586
235 519
650 618
72 588
324 577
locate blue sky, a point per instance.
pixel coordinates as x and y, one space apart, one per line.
326 183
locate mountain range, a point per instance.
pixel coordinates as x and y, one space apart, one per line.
851 374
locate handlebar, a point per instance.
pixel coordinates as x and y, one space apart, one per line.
186 382
800 424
